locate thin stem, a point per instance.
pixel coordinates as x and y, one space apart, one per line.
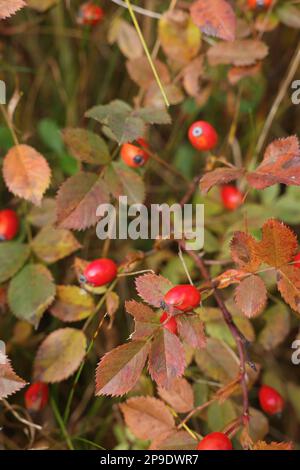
137 9
61 424
147 52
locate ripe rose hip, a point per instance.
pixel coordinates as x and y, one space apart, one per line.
133 155
184 297
99 272
259 4
215 441
90 14
297 260
36 396
171 324
231 197
9 224
270 400
203 135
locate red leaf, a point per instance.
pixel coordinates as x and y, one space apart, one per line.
289 286
120 369
147 417
166 359
152 288
281 164
146 320
244 251
191 330
219 176
251 296
214 18
180 396
278 245
78 199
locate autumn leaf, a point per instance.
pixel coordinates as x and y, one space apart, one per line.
53 244
78 200
251 296
278 245
289 286
140 71
10 382
244 251
281 164
59 355
147 417
180 397
179 37
72 304
219 176
31 292
152 288
277 326
123 181
235 74
191 330
191 76
126 37
10 7
26 173
240 53
214 18
120 369
261 445
146 320
12 258
112 304
86 146
228 277
43 215
217 361
166 358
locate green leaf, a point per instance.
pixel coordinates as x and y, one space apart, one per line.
49 132
277 326
86 146
53 244
12 257
72 304
220 414
31 292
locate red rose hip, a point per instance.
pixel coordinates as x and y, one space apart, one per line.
99 272
171 324
215 441
203 135
231 197
270 400
184 297
135 156
9 224
36 396
252 4
90 14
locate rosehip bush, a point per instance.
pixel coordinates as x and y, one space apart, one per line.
143 343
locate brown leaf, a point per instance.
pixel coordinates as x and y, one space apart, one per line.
166 359
219 176
261 445
176 440
191 76
127 38
146 320
152 288
217 361
236 74
289 286
281 164
231 276
52 244
147 417
277 326
43 215
244 251
86 146
9 381
278 245
251 296
140 71
26 173
240 53
72 304
214 18
78 199
10 7
180 396
112 305
191 330
59 355
120 369
124 182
